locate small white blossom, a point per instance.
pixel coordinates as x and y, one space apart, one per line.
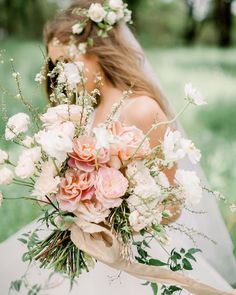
103 137
39 78
120 15
16 75
96 12
192 152
28 142
71 74
128 15
233 208
16 125
193 95
162 180
6 176
82 47
3 156
191 189
77 28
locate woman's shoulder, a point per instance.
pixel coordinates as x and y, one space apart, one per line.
142 111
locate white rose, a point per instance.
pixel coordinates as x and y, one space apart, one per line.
193 95
26 164
77 28
96 12
120 15
116 4
6 176
3 157
172 147
57 142
192 152
191 189
71 74
128 15
111 18
16 125
47 183
60 114
1 199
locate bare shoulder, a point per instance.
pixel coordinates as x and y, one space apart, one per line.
142 111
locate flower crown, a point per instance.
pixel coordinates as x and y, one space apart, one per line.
105 16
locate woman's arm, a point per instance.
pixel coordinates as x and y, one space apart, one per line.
142 113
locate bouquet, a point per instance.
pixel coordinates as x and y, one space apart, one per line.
92 182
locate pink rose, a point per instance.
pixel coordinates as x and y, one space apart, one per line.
92 211
85 156
110 186
130 138
76 186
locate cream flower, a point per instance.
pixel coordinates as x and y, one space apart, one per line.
162 180
61 114
192 152
138 221
96 12
116 4
111 18
57 142
26 164
3 156
139 174
103 137
16 125
77 28
71 74
193 95
6 176
28 141
47 183
190 186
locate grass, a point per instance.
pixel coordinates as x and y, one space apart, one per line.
212 70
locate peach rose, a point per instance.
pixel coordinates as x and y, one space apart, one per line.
85 156
76 186
92 211
110 186
129 139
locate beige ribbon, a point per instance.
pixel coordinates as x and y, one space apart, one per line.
100 243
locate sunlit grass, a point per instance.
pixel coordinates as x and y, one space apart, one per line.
212 70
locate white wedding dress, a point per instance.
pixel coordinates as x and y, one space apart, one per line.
215 267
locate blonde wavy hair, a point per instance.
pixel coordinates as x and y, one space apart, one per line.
121 64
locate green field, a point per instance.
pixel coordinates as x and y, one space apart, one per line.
212 128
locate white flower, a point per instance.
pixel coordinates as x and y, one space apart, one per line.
162 180
6 176
3 157
138 221
193 95
120 15
77 28
103 137
128 15
111 18
96 12
16 75
28 141
39 78
82 47
191 189
16 125
193 153
139 174
1 198
116 4
172 148
71 74
233 208
47 183
26 164
57 142
60 114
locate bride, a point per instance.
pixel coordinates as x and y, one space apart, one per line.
119 61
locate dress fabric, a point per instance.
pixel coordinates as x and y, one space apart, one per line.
102 280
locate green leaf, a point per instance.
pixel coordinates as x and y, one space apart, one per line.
156 262
22 240
16 285
182 251
186 264
146 284
190 256
146 244
194 250
175 267
154 288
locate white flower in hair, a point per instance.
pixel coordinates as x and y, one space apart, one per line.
116 4
193 95
16 125
111 17
96 12
77 28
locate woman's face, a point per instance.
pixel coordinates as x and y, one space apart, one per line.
92 68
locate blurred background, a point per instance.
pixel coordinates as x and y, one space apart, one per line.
185 41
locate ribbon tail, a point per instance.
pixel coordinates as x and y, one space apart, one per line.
101 244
